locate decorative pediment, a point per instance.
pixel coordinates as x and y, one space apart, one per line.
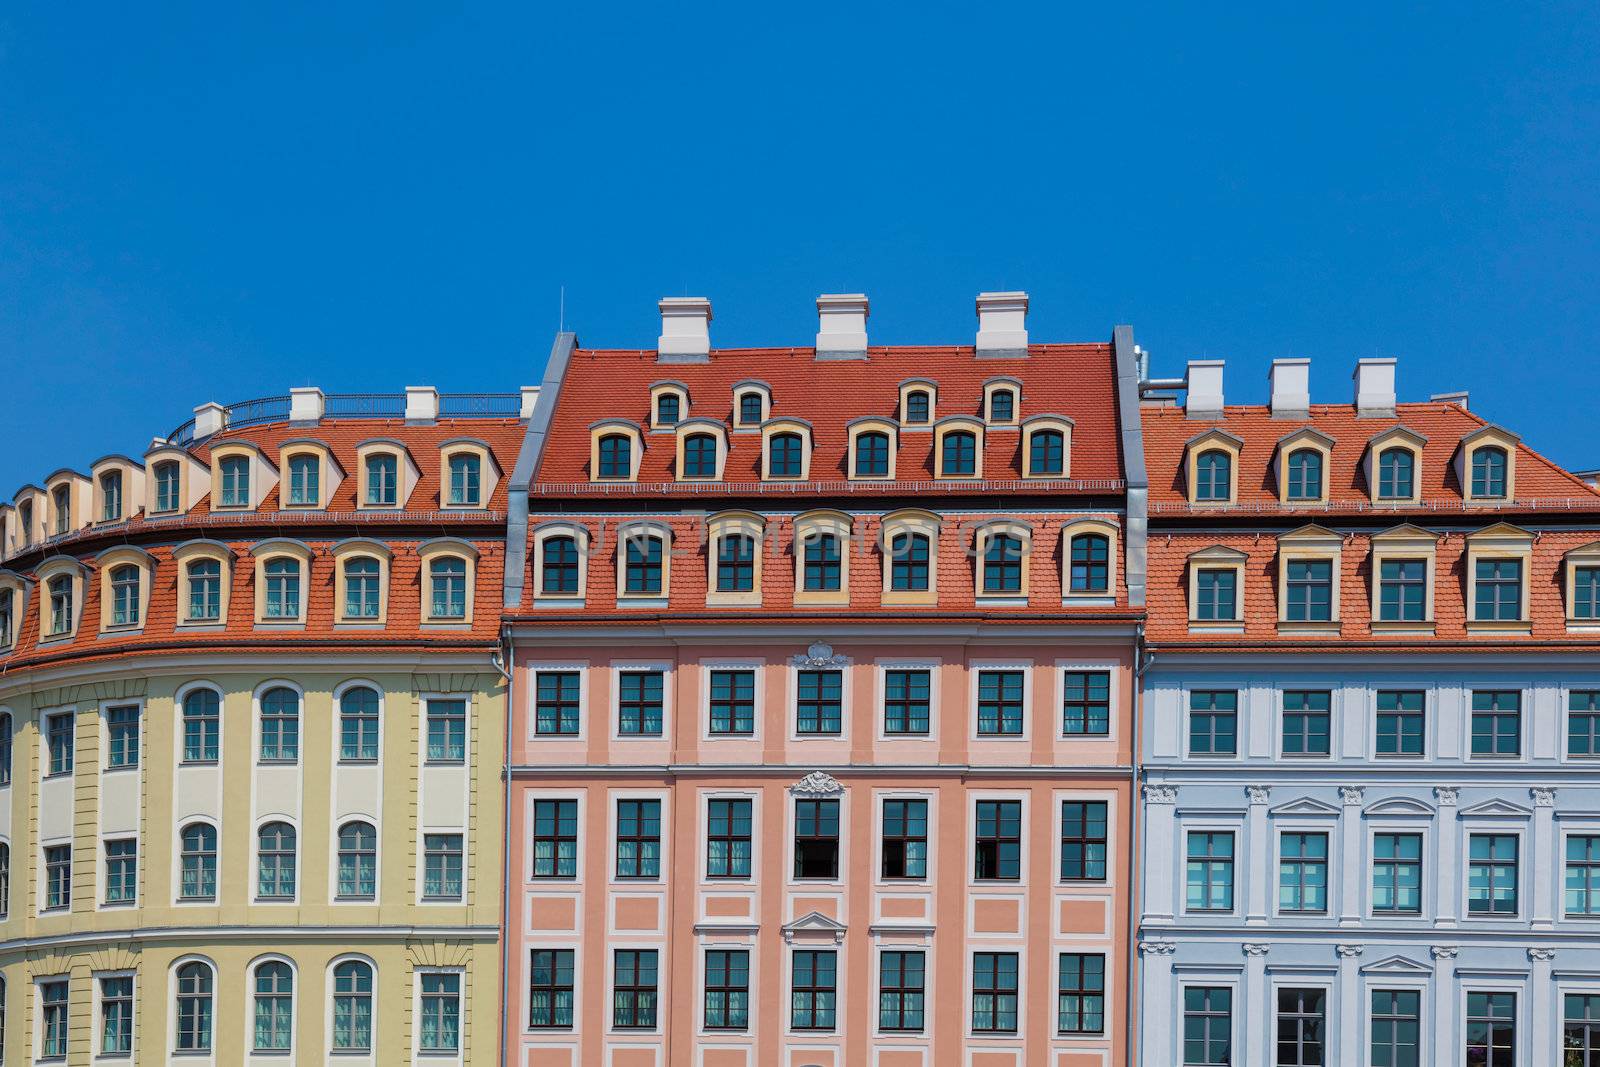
819 655
1590 551
1311 534
1218 554
1305 806
1500 531
1495 809
1220 437
1402 965
1398 806
1397 433
1308 435
1406 532
1491 432
817 784
814 926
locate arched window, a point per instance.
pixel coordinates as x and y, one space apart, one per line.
1396 474
8 616
280 725
642 565
1002 564
194 1008
198 861
205 590
448 578
616 456
235 492
383 480
1488 472
358 861
700 456
1047 451
358 725
168 482
304 481
274 1014
1305 474
1213 475
5 749
1091 564
111 496
283 588
785 455
5 886
465 479
822 563
736 562
960 456
275 862
352 1007
668 409
125 595
749 408
560 565
62 500
908 568
25 520
61 605
872 454
202 726
363 588
917 406
1002 405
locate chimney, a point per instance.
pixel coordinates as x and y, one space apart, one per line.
1204 389
1458 399
842 326
685 330
530 397
1002 325
209 419
1291 388
305 405
422 403
1375 387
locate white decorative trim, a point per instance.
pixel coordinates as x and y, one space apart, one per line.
819 655
1444 952
1447 795
817 784
1543 797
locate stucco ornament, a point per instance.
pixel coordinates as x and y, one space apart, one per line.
1253 948
1444 952
1161 794
1158 948
1349 952
817 784
1543 796
1447 795
1352 794
1258 794
1541 955
819 655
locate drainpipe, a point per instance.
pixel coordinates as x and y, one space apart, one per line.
1135 889
505 661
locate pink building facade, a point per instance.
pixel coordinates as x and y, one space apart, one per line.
820 743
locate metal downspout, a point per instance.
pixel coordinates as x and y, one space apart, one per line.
507 668
1135 886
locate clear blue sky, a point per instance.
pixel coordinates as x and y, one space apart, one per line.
203 204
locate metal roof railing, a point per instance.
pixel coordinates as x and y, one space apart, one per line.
1367 507
978 485
356 406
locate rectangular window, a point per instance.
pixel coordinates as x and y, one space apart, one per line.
59 739
447 731
1496 724
167 482
905 839
1209 872
57 877
53 1020
728 825
556 703
1402 724
1213 722
441 867
382 480
1492 874
816 839
1000 703
1397 874
1081 994
1083 840
1086 703
235 482
1582 880
1310 591
1218 590
1403 590
555 839
122 736
1397 1027
1207 1026
643 567
998 851
727 989
116 1015
303 481
205 591
901 985
1307 722
994 992
551 989
906 700
1492 1029
122 871
638 839
736 563
633 989
822 564
814 991
639 703
1303 872
1301 1031
1499 590
1583 723
439 1029
1581 1029
819 707
1586 593
733 702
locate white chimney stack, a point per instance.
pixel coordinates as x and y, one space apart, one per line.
685 329
1375 387
305 405
1002 325
209 419
1203 399
1291 388
530 399
841 326
422 403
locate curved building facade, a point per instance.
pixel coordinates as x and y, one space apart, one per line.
251 731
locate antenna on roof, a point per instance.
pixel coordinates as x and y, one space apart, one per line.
561 315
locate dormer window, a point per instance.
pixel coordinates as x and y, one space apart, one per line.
1002 406
363 587
749 409
60 589
1305 474
560 566
1397 474
642 561
734 555
668 409
959 456
909 542
1211 467
1488 472
61 501
235 492
8 617
383 480
822 558
305 481
1002 564
169 482
204 579
111 496
919 407
466 472
125 595
25 520
736 563
1213 476
1216 586
449 570
282 599
616 456
700 456
785 455
872 454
